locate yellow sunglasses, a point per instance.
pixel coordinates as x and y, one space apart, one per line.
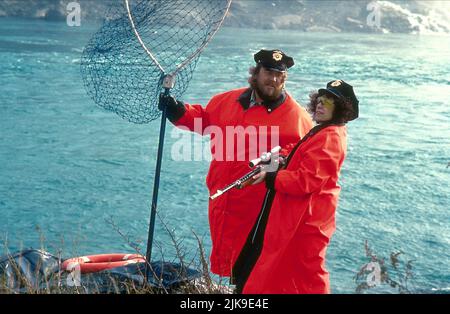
326 101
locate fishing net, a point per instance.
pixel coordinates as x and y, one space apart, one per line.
138 44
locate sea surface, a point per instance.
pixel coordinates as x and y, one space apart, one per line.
76 179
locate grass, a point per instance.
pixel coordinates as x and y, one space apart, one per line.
14 280
393 273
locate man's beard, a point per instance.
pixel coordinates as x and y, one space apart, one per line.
265 97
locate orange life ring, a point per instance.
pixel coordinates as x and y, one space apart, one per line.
95 263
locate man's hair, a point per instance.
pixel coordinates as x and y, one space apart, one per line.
253 71
343 109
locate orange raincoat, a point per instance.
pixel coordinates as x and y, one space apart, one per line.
302 218
232 215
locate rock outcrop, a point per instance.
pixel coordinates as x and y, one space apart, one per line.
397 16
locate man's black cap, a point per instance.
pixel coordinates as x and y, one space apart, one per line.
275 60
341 89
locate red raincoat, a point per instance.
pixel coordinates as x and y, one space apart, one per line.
232 215
302 218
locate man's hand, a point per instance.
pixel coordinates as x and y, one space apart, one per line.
167 101
175 108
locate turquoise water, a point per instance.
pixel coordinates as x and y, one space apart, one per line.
67 167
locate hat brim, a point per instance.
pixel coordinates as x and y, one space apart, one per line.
323 91
273 69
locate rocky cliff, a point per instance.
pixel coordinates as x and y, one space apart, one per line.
397 16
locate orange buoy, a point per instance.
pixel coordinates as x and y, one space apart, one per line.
96 263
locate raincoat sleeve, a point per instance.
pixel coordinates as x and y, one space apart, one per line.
195 118
318 164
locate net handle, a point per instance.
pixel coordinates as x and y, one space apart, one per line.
191 57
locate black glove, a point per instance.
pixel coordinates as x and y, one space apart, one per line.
175 108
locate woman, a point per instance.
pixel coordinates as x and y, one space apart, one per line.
285 251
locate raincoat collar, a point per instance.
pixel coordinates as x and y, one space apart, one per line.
244 100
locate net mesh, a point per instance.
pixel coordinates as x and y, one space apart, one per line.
118 72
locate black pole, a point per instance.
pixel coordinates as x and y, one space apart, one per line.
151 228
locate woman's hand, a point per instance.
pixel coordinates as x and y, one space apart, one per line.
259 177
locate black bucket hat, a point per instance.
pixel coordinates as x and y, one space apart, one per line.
342 90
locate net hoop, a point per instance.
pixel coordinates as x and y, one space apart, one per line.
188 59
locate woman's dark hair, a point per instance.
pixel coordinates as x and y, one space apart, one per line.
343 110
